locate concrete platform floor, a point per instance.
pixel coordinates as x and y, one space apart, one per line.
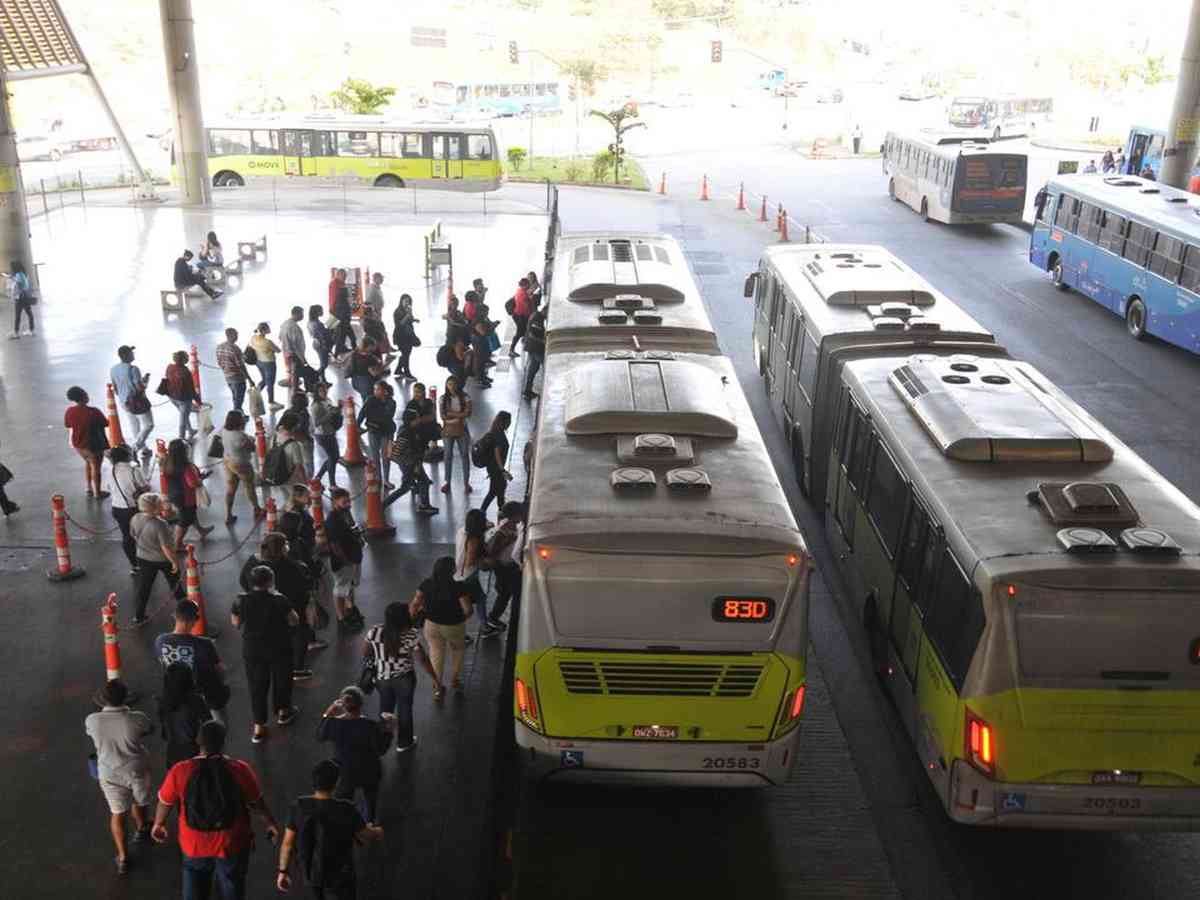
101 271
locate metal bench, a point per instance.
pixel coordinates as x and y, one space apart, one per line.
173 300
248 250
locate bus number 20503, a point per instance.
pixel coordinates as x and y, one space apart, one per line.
731 762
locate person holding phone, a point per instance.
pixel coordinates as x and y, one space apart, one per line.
21 292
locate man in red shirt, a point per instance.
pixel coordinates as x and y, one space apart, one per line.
338 281
223 853
520 314
87 426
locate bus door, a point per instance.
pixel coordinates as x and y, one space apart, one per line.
1137 151
447 156
301 150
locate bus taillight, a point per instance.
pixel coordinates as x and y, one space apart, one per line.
980 744
797 706
527 704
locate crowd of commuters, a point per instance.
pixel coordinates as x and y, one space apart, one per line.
279 613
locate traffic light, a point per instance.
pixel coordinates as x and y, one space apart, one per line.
716 51
513 56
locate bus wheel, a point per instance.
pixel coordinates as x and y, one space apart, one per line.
798 461
892 188
925 209
388 181
1135 318
1056 272
228 179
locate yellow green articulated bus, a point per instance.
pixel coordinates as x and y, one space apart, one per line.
1030 588
664 619
379 152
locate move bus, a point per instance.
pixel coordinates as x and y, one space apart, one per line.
999 117
377 151
507 98
955 180
817 305
1130 244
663 627
1030 589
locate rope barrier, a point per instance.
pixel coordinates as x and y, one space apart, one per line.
204 563
83 527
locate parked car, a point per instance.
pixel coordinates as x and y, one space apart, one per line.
36 147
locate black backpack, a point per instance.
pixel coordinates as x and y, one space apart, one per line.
277 468
445 356
250 356
481 452
510 305
212 801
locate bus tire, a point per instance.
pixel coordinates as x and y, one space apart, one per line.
228 179
1055 268
925 208
892 188
798 462
388 181
1135 318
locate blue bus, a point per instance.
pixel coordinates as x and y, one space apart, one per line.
1130 244
1144 147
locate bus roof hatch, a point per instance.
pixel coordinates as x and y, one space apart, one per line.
627 267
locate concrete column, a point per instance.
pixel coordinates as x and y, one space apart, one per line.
1184 125
14 222
183 83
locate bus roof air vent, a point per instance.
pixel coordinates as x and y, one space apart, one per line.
620 354
1118 181
607 269
1148 189
1182 200
994 411
1150 540
887 323
654 449
628 301
688 481
647 317
633 480
895 310
1086 540
659 354
613 317
622 251
1101 504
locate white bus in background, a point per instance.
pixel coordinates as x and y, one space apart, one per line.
999 117
955 180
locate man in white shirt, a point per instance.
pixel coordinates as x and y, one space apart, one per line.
130 385
123 764
291 340
374 297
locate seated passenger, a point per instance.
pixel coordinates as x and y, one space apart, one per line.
186 276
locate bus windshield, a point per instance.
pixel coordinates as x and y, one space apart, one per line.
966 112
990 183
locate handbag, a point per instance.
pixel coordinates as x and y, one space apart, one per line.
203 498
493 341
6 475
28 297
164 387
216 448
367 677
138 403
255 401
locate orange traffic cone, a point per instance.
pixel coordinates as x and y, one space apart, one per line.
376 526
318 514
783 232
662 184
62 546
704 188
115 438
194 594
160 454
260 441
353 456
762 216
112 651
741 204
272 516
195 363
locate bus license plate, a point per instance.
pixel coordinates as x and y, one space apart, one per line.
658 732
1114 806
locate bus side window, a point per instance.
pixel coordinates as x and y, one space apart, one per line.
1138 243
1166 258
761 288
926 588
1062 214
912 551
1112 238
1078 215
778 308
1189 277
886 498
858 451
1090 218
843 419
955 624
809 365
788 331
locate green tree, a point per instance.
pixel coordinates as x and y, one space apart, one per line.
617 119
586 71
516 156
361 97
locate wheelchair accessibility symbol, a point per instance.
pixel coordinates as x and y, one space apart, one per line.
1012 802
571 759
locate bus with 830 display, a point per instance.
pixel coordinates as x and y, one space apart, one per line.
743 609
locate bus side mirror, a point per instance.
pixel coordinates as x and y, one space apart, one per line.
748 287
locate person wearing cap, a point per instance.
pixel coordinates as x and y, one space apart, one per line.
130 384
197 652
358 742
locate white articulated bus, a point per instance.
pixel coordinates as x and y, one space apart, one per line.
663 627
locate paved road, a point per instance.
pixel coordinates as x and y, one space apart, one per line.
1141 391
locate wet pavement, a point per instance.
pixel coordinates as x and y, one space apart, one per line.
101 272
